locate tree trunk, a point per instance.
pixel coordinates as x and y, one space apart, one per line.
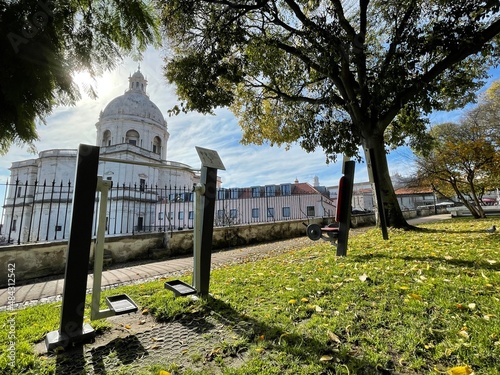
476 211
477 203
393 214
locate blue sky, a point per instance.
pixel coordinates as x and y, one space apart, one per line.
250 165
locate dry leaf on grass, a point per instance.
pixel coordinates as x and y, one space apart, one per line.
460 370
333 337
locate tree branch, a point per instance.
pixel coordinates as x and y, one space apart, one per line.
392 47
463 51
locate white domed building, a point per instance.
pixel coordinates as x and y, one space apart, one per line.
132 128
132 135
134 119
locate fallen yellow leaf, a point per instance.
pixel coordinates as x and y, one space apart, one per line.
326 358
259 350
292 302
415 296
162 372
460 370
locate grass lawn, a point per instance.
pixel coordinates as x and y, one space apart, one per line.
423 302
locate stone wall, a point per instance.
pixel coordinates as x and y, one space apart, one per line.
49 259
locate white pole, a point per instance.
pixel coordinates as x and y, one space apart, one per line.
103 186
198 224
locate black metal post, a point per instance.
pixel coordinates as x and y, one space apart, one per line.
50 210
66 210
58 209
345 212
12 214
72 329
22 214
41 210
209 179
32 218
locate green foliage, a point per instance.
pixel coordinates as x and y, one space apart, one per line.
44 43
408 128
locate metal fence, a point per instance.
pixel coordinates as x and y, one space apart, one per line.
40 212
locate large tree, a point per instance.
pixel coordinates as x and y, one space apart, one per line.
44 43
331 74
463 162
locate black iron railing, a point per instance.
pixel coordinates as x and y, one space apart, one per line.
40 211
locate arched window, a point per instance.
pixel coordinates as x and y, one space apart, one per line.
106 138
157 145
132 137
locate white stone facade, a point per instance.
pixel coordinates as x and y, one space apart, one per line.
132 129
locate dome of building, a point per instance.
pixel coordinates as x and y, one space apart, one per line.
135 103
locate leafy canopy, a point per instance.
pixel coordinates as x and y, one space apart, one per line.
45 42
330 74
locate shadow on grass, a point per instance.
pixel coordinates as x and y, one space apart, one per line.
71 361
289 348
282 350
79 361
127 350
455 262
452 231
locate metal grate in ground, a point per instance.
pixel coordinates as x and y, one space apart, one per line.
192 343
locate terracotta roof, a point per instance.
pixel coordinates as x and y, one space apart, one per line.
363 190
303 188
410 191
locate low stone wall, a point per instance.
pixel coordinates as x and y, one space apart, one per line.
363 220
369 219
32 261
48 259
